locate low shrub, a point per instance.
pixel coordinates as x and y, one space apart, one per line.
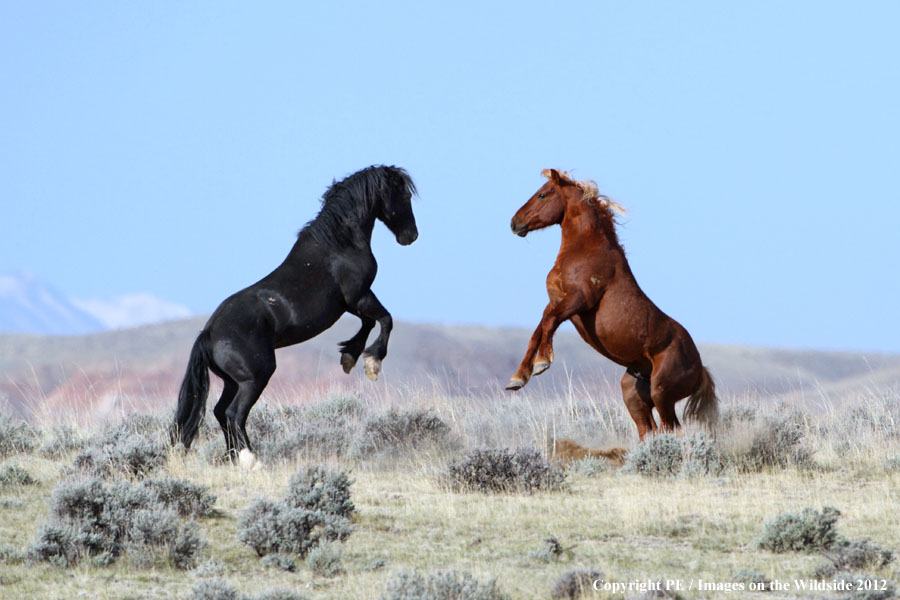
590 466
702 456
212 451
325 560
335 408
400 430
14 476
208 568
324 430
10 555
892 464
154 427
283 562
375 565
121 453
214 589
309 440
856 555
17 436
64 440
575 584
501 471
777 442
878 414
657 456
187 498
317 488
449 585
809 531
730 417
102 521
275 527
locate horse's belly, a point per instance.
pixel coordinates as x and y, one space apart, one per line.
303 329
613 342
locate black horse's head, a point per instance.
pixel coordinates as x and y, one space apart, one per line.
394 207
351 206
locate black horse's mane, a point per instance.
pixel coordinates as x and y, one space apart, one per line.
349 203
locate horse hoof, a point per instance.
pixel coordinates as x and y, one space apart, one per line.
540 367
373 368
348 361
515 384
248 461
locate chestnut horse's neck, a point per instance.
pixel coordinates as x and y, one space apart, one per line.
585 221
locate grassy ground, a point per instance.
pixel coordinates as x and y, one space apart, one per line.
629 527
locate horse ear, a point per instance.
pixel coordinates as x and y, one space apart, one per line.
552 175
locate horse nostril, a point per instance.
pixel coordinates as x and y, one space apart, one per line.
519 230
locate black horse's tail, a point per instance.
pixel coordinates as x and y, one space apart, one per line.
192 397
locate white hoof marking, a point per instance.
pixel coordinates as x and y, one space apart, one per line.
248 460
373 367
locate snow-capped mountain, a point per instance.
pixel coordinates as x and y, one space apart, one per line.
30 305
132 310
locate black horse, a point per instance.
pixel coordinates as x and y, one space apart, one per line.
328 272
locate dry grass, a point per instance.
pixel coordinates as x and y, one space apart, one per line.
627 526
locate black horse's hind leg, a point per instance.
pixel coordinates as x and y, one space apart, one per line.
237 413
352 348
246 366
368 306
229 391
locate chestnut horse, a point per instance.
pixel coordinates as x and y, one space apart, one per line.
592 285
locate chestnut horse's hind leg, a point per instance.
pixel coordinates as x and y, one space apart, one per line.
674 377
639 402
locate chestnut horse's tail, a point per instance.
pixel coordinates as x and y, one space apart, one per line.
192 396
703 406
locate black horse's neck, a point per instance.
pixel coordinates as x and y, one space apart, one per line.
348 212
338 228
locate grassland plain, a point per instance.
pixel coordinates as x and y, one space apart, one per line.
687 527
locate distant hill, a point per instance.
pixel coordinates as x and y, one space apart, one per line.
141 368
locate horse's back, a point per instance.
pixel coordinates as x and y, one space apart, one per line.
284 308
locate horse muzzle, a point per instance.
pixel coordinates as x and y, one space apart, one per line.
519 230
408 237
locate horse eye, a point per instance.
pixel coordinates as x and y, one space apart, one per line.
542 195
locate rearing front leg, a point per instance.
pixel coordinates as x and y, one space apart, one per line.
523 373
368 307
539 354
352 348
570 305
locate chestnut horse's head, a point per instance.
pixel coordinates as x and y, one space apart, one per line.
548 205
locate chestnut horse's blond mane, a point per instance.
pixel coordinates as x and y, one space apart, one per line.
590 192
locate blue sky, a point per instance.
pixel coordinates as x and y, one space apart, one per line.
176 148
